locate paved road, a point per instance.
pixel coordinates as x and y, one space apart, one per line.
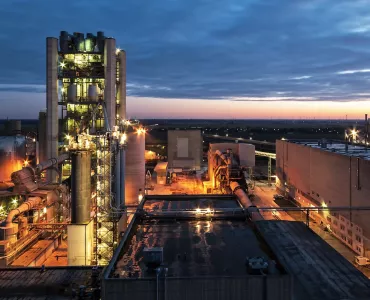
264 197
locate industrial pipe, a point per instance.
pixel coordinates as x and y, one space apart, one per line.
118 179
51 162
6 185
122 154
252 210
31 203
222 156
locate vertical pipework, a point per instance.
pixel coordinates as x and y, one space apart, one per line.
122 84
52 103
81 186
122 154
110 80
118 178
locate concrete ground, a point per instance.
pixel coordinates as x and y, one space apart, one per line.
183 185
264 197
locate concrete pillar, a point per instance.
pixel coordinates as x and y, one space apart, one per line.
52 103
110 80
42 137
122 84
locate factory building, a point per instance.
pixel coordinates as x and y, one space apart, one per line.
185 149
329 174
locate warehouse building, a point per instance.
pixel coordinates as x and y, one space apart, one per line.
329 174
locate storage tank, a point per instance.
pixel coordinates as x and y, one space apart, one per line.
135 167
92 92
80 187
72 93
64 41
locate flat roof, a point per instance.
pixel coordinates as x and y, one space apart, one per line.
320 269
191 247
356 150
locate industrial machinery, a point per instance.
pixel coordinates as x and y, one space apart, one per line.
40 209
86 77
227 163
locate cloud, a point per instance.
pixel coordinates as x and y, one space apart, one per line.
353 71
251 50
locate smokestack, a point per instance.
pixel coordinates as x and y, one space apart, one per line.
52 103
81 186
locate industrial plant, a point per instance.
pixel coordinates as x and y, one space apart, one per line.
87 212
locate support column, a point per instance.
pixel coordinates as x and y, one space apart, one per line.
52 103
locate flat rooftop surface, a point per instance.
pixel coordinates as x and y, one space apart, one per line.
191 248
322 272
337 147
191 202
53 283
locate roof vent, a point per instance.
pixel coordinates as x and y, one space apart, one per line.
256 265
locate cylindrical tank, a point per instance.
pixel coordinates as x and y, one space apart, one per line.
121 88
110 69
92 92
63 41
72 93
135 167
100 41
80 187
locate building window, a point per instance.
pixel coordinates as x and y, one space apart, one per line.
342 227
350 242
358 249
358 239
329 219
335 222
349 232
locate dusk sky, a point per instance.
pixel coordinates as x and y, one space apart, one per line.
203 58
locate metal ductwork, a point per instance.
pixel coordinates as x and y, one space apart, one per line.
51 163
31 203
26 178
252 210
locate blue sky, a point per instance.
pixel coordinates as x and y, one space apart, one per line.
203 58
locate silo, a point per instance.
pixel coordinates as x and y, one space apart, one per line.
72 93
135 167
81 186
92 92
